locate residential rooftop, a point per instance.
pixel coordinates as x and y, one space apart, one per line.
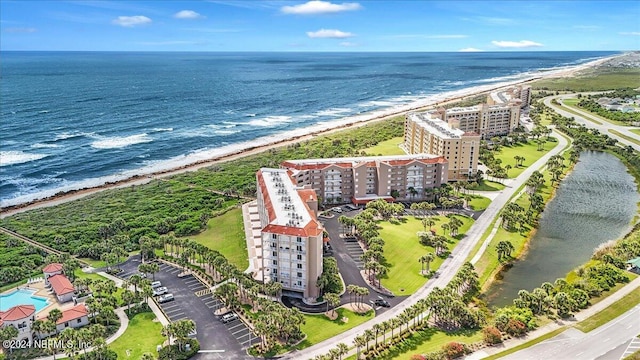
436 126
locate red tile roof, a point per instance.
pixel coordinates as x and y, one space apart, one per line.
53 267
61 285
73 313
307 194
265 193
17 313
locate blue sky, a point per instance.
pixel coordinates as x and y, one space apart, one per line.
245 25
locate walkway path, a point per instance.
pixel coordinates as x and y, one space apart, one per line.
447 270
604 127
582 315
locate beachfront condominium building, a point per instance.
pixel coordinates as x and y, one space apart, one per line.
486 120
291 236
517 95
362 179
426 133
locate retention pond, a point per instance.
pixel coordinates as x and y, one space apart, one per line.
595 203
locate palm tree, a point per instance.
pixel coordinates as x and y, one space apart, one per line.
343 349
84 337
69 336
428 222
377 329
54 316
333 300
359 342
135 280
426 259
128 297
368 335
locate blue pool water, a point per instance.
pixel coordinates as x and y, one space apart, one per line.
22 297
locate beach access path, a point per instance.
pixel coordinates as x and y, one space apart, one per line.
449 267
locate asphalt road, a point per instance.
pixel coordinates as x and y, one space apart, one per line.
447 270
604 128
217 340
604 342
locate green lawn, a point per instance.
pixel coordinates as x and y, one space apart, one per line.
93 276
431 339
616 309
142 335
635 131
225 233
94 263
571 106
388 147
529 151
628 138
319 327
402 250
479 202
486 185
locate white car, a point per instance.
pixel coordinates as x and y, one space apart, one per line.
160 291
156 284
165 298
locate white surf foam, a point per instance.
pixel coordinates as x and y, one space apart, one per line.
18 157
162 129
226 132
333 112
120 142
270 121
44 146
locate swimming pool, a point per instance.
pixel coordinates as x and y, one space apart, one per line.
22 297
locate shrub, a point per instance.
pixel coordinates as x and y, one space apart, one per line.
418 357
172 352
453 350
492 335
516 328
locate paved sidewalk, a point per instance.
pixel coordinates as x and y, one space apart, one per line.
582 315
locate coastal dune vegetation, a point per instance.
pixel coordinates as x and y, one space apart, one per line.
181 205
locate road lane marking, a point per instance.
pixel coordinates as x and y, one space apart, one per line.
211 351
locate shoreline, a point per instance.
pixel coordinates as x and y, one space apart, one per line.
255 146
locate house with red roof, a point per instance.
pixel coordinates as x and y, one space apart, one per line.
73 317
55 279
21 318
62 287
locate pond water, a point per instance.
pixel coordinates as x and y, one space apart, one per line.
595 203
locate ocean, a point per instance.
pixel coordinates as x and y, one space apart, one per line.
71 120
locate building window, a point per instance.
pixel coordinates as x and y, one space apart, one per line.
275 262
299 266
79 321
275 271
299 274
299 248
66 324
299 257
275 253
274 236
299 239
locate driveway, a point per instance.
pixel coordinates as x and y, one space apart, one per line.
193 301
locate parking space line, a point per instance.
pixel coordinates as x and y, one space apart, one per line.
235 326
178 318
239 331
176 315
173 312
169 307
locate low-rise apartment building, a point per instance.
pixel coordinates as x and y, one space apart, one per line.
291 236
426 133
362 179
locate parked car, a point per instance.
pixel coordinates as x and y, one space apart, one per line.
229 318
382 302
165 298
351 207
337 210
160 291
156 284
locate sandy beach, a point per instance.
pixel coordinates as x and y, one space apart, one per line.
208 158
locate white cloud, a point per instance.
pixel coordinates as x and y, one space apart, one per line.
632 33
187 14
315 7
23 30
348 44
131 21
329 34
470 49
516 44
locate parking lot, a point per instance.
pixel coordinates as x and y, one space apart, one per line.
193 300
